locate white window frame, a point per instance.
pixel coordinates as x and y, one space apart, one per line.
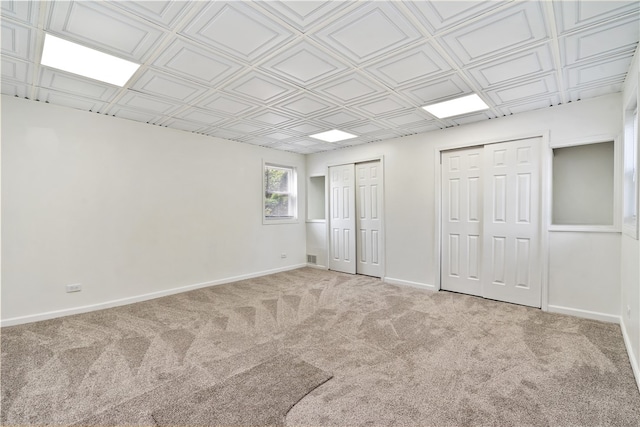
293 195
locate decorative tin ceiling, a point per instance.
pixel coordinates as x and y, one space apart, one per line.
271 73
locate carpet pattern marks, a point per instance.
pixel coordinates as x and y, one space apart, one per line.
398 356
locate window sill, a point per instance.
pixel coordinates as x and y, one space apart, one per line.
585 228
266 221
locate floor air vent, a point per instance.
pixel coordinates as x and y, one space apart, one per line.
311 259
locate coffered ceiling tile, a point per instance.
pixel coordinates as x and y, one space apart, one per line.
388 104
184 125
471 118
599 71
165 13
364 128
369 31
163 85
303 14
193 62
531 89
69 100
198 115
339 118
441 15
304 105
134 114
436 90
498 34
274 136
542 102
519 66
298 149
271 118
576 14
306 142
260 88
77 85
237 29
327 146
303 64
408 119
227 104
411 66
243 127
138 101
95 25
25 11
16 70
225 134
349 89
17 40
308 128
11 88
592 92
606 39
378 136
422 127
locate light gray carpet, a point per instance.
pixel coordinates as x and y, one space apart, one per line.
398 356
261 396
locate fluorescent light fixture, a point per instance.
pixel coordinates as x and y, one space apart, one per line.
334 135
455 107
76 59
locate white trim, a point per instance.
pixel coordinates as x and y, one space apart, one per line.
318 267
130 300
545 218
587 140
633 359
401 282
586 314
583 228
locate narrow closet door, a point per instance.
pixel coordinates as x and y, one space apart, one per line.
342 219
462 221
512 222
368 220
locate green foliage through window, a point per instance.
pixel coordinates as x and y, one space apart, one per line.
278 193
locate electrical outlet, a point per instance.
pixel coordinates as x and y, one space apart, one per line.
628 312
77 287
283 255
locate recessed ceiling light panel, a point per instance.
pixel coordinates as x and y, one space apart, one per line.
456 107
74 58
334 135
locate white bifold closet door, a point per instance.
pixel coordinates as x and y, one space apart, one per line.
342 221
355 223
491 223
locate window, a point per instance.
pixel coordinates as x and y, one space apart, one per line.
280 202
630 197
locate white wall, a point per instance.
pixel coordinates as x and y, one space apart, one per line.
410 213
630 255
127 210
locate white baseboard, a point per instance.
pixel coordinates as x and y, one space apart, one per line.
593 315
319 267
130 300
401 282
633 358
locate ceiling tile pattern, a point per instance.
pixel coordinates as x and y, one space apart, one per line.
271 73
